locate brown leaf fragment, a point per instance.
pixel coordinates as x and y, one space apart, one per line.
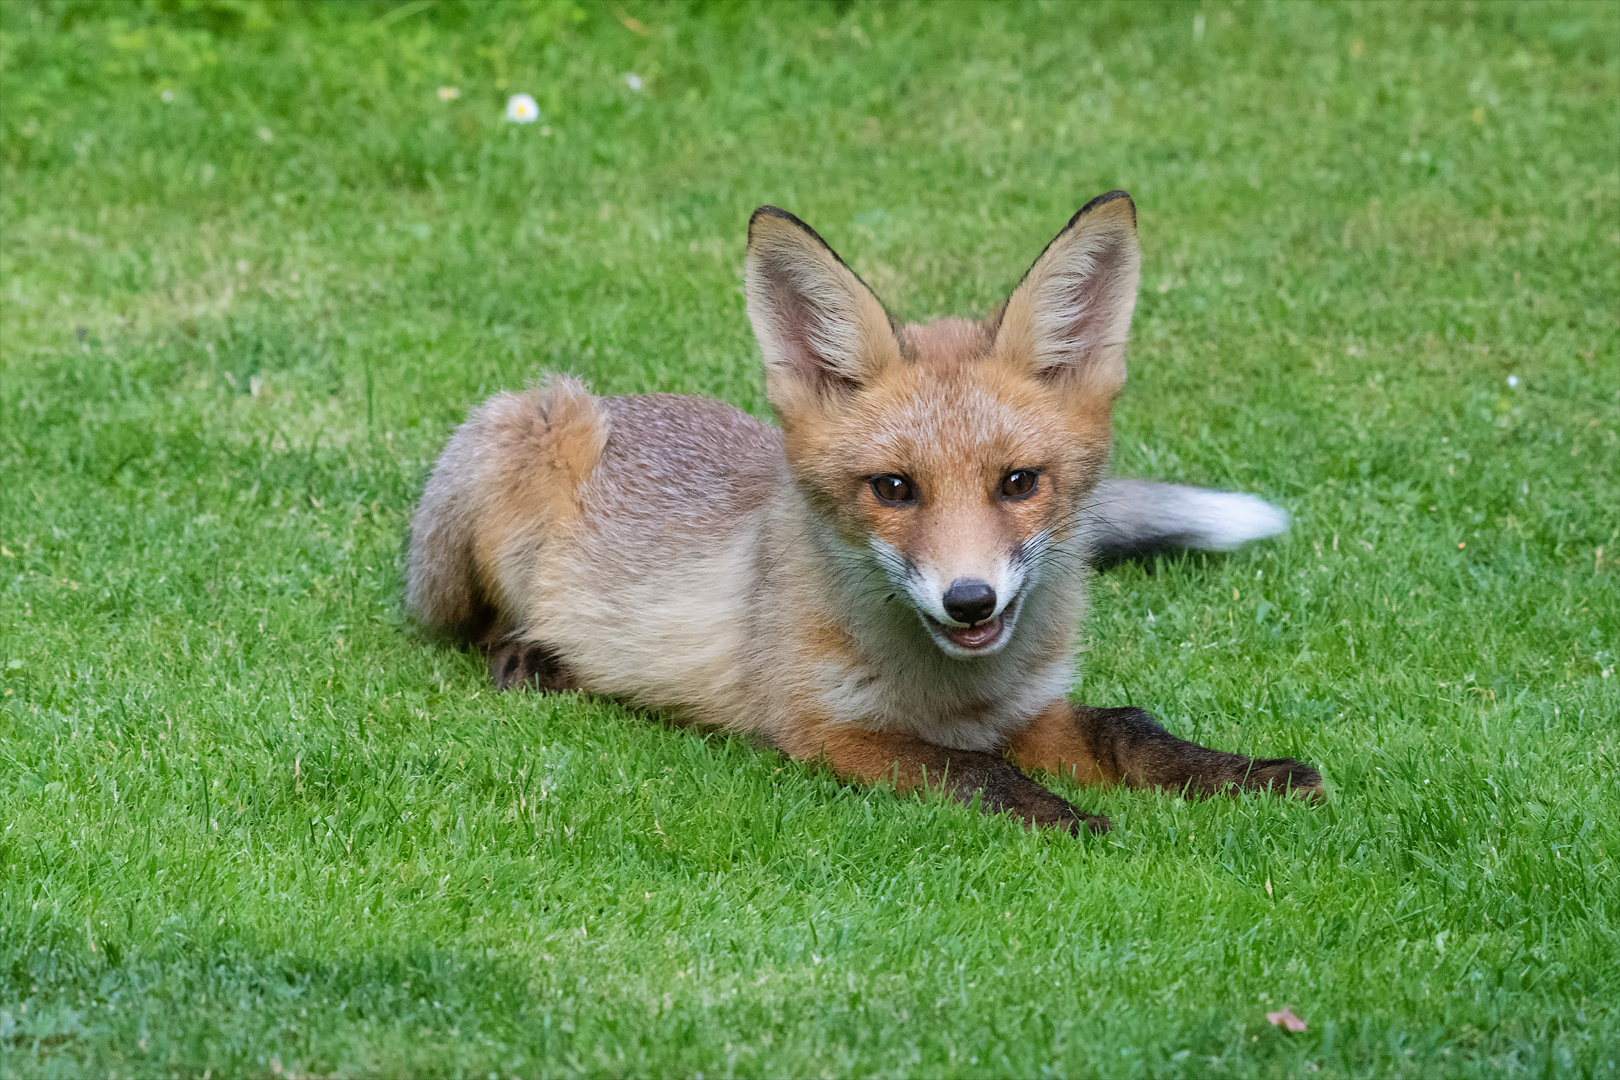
631 23
1285 1018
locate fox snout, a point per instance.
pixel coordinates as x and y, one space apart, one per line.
978 623
971 616
969 600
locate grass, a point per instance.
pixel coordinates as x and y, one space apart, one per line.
254 824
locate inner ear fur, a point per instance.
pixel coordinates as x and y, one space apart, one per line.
821 329
1071 314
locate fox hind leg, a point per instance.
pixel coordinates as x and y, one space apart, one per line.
518 664
1128 746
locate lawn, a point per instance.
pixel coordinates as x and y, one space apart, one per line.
255 267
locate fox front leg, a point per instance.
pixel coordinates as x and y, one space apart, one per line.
909 763
1127 746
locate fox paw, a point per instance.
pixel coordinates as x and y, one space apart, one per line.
1042 809
1285 776
1004 789
1097 823
528 663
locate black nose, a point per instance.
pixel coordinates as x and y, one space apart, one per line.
969 601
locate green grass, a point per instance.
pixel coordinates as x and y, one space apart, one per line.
253 823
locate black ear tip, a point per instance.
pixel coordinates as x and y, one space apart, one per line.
776 212
1103 200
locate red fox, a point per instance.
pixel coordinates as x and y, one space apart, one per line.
891 582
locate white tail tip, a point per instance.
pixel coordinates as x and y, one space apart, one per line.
1224 520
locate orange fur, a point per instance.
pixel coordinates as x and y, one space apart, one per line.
1054 743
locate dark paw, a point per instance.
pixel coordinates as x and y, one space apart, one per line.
1043 809
1055 813
1004 789
1097 823
1285 776
528 663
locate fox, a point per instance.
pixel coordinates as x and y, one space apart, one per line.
888 581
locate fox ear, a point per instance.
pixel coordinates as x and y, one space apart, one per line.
1070 315
820 328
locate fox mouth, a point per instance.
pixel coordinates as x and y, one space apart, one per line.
976 639
979 635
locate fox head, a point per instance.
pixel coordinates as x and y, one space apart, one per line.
957 456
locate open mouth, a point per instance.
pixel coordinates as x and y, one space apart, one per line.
985 636
980 635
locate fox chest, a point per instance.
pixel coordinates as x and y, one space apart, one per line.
965 706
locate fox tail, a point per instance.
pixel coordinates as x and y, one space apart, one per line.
1131 518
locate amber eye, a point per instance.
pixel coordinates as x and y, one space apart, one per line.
892 489
1020 483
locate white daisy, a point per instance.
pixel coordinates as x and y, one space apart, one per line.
632 80
522 109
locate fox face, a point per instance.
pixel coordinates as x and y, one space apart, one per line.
954 458
960 483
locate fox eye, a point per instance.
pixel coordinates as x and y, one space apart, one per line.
893 489
1020 483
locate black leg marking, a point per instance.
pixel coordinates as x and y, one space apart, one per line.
1132 747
